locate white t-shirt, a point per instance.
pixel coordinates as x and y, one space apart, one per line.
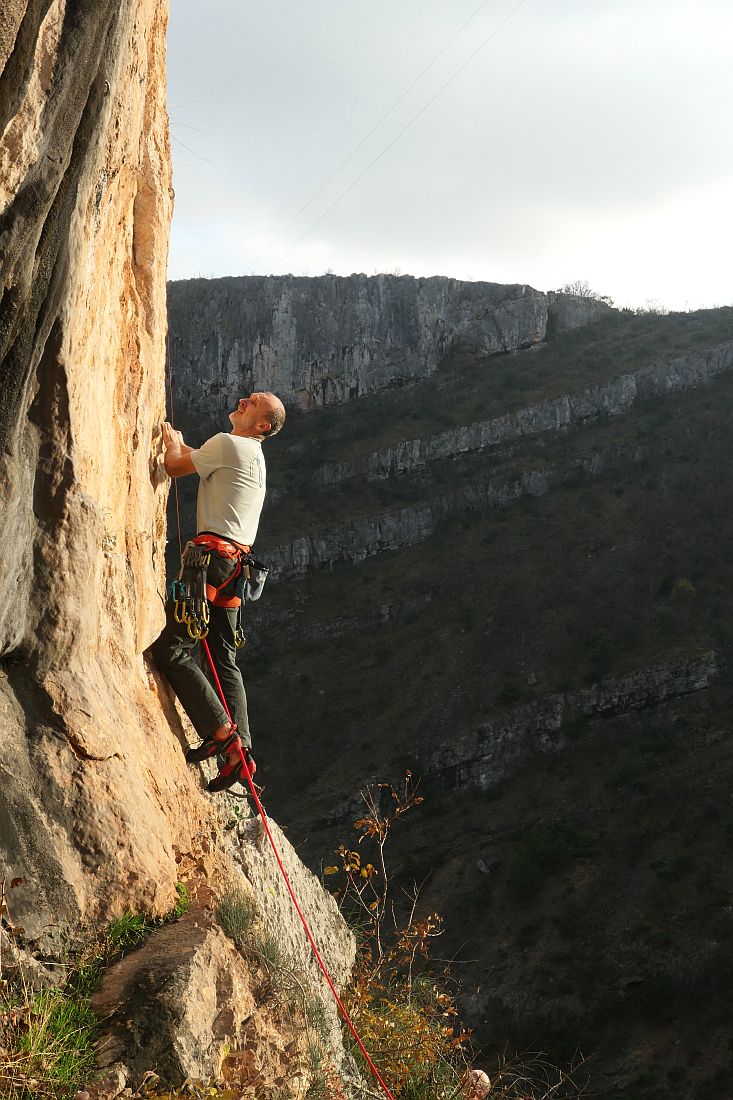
232 486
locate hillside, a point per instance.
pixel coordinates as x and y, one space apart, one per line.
539 627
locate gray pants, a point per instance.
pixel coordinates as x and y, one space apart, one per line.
174 655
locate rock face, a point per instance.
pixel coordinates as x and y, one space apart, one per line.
569 311
361 538
320 341
95 802
181 1004
482 758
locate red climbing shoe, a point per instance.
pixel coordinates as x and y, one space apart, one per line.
210 746
230 774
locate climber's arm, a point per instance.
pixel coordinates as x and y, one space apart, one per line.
177 458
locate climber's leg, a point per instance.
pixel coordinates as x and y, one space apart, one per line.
221 639
173 653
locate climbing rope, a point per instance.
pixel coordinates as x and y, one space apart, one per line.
263 815
175 483
293 898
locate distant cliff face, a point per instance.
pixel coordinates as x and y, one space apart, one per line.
611 398
326 340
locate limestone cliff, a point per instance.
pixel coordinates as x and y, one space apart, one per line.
322 341
93 785
611 398
98 812
362 538
483 757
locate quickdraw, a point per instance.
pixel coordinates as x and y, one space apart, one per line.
188 592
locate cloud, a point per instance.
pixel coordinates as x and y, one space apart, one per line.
577 130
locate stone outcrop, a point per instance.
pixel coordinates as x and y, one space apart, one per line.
320 341
570 311
611 398
189 1004
361 538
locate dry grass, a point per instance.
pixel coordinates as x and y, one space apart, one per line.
46 1043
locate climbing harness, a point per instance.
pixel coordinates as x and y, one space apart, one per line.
255 579
192 593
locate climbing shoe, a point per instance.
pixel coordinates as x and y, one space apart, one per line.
230 774
210 746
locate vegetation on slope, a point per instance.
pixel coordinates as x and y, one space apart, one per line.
48 1036
467 387
603 920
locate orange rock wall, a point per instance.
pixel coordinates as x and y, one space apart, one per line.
96 803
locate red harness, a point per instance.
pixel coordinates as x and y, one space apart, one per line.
232 552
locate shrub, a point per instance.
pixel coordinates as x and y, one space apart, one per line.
402 1012
237 912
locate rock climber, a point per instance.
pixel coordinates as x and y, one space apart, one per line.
231 492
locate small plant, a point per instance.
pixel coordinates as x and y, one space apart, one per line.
238 812
183 904
269 951
127 932
326 1084
237 912
315 1015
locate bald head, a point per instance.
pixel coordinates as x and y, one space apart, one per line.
275 413
258 416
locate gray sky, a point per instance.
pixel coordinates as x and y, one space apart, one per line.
587 139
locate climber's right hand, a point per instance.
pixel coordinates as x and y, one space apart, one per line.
171 437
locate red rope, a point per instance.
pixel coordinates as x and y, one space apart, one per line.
261 808
298 910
